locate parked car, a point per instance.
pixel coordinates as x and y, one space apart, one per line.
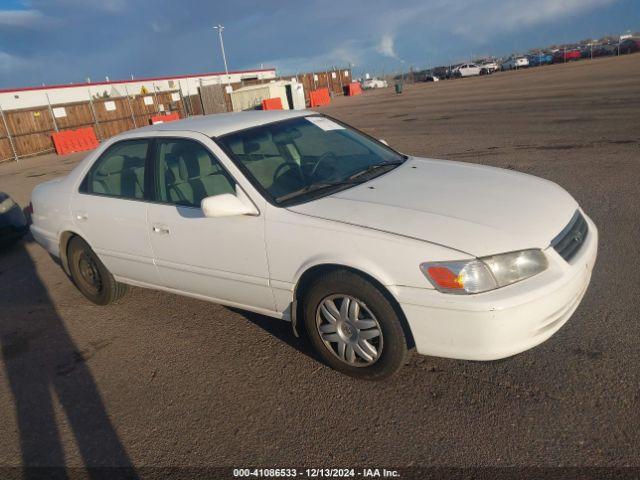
488 68
442 72
13 222
374 83
630 45
431 78
535 60
300 217
515 63
467 70
561 56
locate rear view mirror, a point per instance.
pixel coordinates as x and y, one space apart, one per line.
227 205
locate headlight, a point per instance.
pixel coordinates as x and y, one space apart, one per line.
484 274
6 205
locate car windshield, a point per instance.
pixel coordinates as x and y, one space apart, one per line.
296 160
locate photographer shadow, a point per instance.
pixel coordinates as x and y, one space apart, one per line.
46 369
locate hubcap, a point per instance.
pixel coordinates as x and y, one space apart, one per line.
89 273
349 330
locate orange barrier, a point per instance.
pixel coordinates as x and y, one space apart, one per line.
70 141
354 88
169 117
319 97
272 104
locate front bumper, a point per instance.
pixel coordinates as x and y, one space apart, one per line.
503 322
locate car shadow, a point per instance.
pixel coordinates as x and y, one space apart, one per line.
281 330
50 381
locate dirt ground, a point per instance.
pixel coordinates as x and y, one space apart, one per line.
161 380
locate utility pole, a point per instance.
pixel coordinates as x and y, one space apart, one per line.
220 28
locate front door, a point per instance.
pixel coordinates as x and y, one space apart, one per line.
222 259
110 211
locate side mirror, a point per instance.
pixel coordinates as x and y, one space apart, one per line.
382 140
227 205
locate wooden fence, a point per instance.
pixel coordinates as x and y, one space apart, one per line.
27 132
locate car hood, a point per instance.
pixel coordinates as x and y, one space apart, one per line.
475 209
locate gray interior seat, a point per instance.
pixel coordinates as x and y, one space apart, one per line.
261 157
192 175
176 177
120 176
212 179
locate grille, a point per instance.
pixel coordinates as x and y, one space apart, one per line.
571 238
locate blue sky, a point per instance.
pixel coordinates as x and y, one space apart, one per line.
62 41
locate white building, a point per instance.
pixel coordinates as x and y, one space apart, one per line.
250 97
16 98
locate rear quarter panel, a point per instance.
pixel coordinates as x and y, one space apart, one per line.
51 213
52 205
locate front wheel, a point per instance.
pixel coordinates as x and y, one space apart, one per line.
353 327
91 276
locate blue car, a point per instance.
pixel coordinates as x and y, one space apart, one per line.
537 60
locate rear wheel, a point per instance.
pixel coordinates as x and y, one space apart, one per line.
353 326
91 276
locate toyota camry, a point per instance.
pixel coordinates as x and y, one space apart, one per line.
368 252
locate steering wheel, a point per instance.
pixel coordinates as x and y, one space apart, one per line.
321 159
291 165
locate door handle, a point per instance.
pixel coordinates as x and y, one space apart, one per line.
161 229
81 215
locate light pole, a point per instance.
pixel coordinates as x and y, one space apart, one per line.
220 28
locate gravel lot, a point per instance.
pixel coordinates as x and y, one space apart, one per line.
161 380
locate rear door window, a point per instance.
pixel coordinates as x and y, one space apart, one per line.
120 171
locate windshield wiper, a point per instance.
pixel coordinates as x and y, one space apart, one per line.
315 187
351 180
374 167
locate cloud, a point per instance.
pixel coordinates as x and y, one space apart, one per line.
11 63
484 20
386 46
160 27
513 16
21 18
349 53
110 6
121 37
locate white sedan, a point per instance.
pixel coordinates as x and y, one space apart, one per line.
294 215
467 70
372 83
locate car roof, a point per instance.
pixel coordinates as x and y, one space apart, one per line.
223 123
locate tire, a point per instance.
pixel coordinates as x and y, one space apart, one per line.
374 313
90 275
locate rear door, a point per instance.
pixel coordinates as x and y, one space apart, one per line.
110 211
222 259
